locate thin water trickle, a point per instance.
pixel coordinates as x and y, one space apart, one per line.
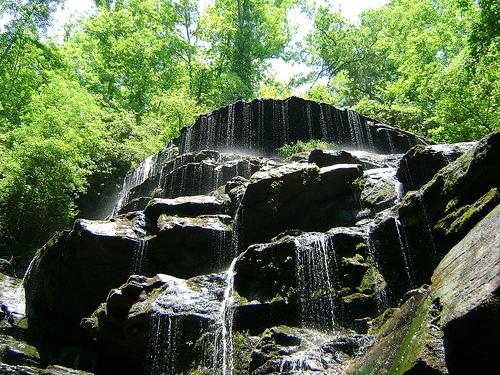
403 243
381 293
163 346
226 318
315 281
140 256
421 202
390 141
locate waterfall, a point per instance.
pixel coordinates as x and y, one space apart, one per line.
235 233
144 170
314 281
140 256
356 129
223 353
404 250
390 141
164 340
381 293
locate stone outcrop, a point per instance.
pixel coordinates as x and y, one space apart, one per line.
263 126
328 262
297 196
440 330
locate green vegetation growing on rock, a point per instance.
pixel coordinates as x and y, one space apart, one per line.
291 149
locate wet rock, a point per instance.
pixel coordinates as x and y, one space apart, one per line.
289 350
406 343
297 196
379 189
326 158
286 281
137 204
51 370
264 126
436 331
15 352
12 297
421 162
97 256
432 220
89 260
189 246
139 321
465 287
184 206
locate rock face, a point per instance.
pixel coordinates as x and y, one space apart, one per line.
331 262
432 332
262 126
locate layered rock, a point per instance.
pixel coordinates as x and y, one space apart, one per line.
297 196
263 126
244 264
433 330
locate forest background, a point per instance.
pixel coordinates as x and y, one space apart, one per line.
77 113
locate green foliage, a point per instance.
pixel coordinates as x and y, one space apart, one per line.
45 165
311 176
409 63
358 185
301 146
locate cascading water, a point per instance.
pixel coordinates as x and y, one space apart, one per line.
313 272
227 313
149 167
221 361
266 125
140 256
164 339
381 293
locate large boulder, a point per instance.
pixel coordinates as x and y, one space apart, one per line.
453 326
326 158
151 325
421 162
297 196
97 256
430 221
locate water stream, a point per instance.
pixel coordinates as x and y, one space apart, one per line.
313 272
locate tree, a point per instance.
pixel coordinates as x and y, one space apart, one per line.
45 166
243 35
24 59
407 64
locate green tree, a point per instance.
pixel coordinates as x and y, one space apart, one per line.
45 163
243 35
407 63
24 59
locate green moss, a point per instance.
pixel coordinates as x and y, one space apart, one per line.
379 322
465 215
412 344
272 200
372 280
358 185
242 352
